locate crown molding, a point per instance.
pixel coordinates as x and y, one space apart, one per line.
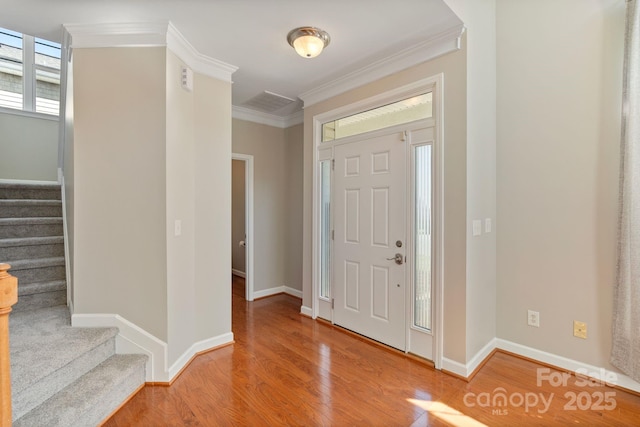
148 34
122 34
200 63
250 115
437 45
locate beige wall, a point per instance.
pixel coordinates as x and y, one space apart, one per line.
212 133
238 255
146 153
558 102
180 206
277 195
294 146
453 66
479 19
29 148
119 158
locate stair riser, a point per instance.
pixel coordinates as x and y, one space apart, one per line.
30 211
30 252
32 396
92 398
30 230
35 301
32 275
115 399
30 193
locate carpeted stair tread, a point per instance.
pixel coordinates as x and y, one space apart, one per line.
30 185
41 287
31 221
31 247
25 264
29 202
30 208
30 191
11 228
31 241
43 341
93 397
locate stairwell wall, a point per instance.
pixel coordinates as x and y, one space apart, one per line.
29 147
147 153
180 206
119 185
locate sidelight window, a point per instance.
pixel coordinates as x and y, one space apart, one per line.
422 220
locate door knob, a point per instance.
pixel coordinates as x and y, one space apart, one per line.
398 258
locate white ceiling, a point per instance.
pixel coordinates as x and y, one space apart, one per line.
251 34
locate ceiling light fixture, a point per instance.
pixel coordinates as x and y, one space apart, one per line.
308 41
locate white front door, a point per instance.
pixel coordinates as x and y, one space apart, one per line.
370 227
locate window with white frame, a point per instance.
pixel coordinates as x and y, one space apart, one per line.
29 73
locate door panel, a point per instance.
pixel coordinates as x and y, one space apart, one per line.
369 288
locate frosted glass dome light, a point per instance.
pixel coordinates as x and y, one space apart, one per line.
308 41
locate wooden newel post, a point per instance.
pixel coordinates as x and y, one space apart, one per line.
8 297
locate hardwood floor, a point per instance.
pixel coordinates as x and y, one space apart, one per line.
288 370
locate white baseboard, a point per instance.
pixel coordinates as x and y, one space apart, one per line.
132 339
293 292
307 311
480 357
569 364
238 273
454 367
465 370
277 290
197 348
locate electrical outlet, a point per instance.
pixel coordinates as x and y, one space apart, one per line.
533 318
580 329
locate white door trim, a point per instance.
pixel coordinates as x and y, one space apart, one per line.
248 225
436 84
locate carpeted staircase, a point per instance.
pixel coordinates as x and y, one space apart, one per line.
60 375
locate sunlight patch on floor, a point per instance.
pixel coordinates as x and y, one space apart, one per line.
446 413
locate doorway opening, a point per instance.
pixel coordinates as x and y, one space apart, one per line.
377 218
242 220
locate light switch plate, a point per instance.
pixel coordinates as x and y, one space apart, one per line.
477 227
487 225
177 227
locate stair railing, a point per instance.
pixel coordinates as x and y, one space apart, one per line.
8 297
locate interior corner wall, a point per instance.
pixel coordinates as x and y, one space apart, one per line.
294 145
453 65
180 206
559 68
274 166
212 137
29 147
479 17
119 162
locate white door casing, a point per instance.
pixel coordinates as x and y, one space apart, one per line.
369 213
428 344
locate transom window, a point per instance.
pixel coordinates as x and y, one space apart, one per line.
29 73
405 111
